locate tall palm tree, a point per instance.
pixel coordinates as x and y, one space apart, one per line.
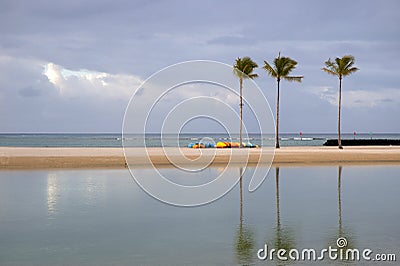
243 69
281 70
341 67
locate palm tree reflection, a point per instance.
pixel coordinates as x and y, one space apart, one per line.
340 199
245 237
342 232
284 238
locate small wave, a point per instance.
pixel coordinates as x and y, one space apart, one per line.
303 138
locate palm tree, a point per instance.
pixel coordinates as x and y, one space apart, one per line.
341 67
243 69
281 70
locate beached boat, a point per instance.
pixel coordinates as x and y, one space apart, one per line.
221 144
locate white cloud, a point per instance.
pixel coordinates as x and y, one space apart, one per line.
206 89
74 83
39 96
359 98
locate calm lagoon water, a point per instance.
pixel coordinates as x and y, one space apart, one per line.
102 217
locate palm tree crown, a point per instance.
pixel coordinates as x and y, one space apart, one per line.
281 70
283 67
243 69
341 66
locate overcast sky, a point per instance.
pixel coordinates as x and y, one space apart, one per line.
72 65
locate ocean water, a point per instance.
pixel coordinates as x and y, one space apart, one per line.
102 217
154 140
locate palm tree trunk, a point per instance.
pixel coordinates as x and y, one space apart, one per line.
277 119
340 104
241 113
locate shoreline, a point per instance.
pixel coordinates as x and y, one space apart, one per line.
71 157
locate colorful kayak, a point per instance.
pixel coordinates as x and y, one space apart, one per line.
201 145
221 145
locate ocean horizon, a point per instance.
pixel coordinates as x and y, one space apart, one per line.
169 140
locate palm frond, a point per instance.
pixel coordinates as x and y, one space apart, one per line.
252 76
329 71
350 71
338 63
283 66
341 66
331 65
267 67
293 78
348 60
238 73
288 66
244 67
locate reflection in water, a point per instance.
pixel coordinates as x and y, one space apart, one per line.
82 188
283 238
94 187
245 237
125 226
90 190
52 193
342 231
340 197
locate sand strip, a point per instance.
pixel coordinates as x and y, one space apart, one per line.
42 158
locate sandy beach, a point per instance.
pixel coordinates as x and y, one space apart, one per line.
42 158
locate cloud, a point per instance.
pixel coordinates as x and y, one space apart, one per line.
70 61
359 98
38 96
86 83
30 92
